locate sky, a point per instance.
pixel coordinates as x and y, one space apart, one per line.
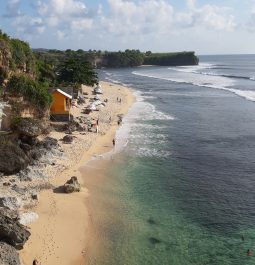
203 26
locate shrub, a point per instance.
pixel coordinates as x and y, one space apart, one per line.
33 92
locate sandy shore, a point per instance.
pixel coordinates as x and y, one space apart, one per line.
60 234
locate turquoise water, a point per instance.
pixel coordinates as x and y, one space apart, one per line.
141 224
182 191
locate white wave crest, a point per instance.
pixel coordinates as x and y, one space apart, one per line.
219 82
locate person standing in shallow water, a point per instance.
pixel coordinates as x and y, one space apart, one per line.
248 253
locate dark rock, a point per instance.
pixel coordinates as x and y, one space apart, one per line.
154 240
151 221
11 231
8 255
29 127
72 185
49 143
35 196
12 158
32 141
12 214
25 147
68 139
35 154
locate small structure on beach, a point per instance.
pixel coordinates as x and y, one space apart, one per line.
61 103
98 90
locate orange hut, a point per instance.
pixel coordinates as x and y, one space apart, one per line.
61 103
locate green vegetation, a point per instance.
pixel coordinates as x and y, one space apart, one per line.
32 91
171 59
22 56
77 71
29 74
128 58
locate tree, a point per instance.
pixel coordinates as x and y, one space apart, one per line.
77 71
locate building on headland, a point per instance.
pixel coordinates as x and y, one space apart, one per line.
61 104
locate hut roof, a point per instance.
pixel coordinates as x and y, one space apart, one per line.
66 91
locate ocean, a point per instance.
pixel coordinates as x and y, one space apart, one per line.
179 188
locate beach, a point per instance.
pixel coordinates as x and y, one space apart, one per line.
60 234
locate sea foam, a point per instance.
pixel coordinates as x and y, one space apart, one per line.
210 81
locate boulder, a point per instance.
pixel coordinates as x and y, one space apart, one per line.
72 185
68 139
25 147
8 255
11 231
12 158
35 196
29 140
12 203
29 127
28 218
49 143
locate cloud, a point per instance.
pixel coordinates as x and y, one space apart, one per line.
129 17
63 9
81 24
29 25
212 17
159 17
12 9
121 19
250 25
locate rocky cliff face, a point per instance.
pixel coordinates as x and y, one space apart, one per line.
5 55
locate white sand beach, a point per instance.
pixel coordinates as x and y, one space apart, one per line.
59 235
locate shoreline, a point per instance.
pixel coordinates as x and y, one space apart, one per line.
60 234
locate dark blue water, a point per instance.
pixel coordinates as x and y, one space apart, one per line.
186 179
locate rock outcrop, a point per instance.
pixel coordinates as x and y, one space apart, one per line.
8 255
29 127
12 203
49 143
11 231
12 158
68 139
72 185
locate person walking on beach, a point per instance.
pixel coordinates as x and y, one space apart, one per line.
113 142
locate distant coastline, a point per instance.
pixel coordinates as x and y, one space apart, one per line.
120 59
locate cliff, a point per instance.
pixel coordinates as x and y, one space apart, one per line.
127 58
171 59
